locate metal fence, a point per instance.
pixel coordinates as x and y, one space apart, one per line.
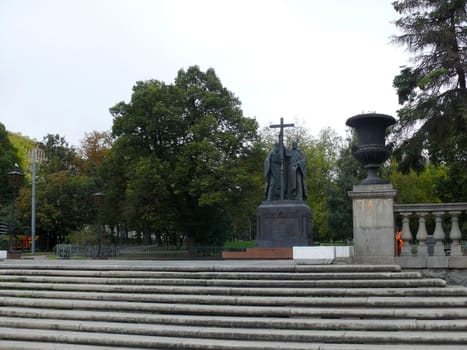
68 251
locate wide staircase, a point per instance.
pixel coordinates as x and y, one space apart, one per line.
97 305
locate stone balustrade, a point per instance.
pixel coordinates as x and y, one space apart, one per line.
439 236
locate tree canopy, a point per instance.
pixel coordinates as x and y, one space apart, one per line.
184 145
433 118
182 164
8 158
63 193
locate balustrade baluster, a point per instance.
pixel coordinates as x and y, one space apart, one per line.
455 235
422 235
406 235
438 235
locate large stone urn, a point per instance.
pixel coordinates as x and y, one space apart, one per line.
371 150
372 199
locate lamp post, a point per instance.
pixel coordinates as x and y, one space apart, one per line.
15 181
99 201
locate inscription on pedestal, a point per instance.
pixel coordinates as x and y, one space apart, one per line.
283 224
280 227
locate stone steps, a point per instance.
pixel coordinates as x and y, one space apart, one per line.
159 300
219 305
240 291
232 321
18 345
215 275
325 311
199 266
266 341
324 283
110 329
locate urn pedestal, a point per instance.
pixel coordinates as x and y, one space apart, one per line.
373 223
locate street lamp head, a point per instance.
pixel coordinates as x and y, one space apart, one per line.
98 198
15 177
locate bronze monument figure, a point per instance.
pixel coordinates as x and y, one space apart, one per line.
272 174
297 173
283 218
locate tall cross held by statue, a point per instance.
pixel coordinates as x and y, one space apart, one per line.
282 152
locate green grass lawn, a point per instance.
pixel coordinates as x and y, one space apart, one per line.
239 244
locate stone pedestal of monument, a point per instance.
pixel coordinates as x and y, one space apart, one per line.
283 224
373 223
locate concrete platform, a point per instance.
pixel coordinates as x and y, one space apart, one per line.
322 254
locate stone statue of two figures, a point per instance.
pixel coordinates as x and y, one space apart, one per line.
285 173
284 220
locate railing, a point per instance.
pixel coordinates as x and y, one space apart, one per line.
442 242
161 252
67 251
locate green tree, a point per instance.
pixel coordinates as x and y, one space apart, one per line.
8 158
112 177
63 205
421 187
143 199
321 167
244 203
194 136
63 194
94 149
59 156
23 145
348 172
433 94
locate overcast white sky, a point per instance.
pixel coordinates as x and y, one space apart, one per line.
64 63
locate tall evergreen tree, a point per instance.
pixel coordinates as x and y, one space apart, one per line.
432 92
